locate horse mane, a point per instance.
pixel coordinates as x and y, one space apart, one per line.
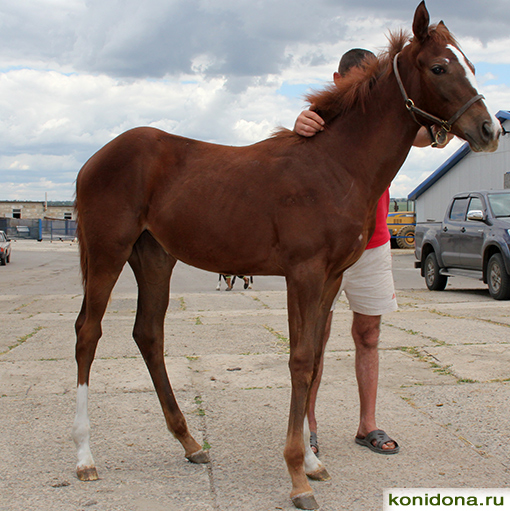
355 88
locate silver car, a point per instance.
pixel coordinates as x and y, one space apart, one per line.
5 249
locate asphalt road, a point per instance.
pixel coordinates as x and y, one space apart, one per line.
54 268
443 394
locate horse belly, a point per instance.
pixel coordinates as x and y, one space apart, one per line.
215 231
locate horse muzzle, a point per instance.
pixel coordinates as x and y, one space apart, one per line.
485 136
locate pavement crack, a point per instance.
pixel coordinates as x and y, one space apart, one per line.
197 384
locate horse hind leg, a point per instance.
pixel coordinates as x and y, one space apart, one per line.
153 267
101 277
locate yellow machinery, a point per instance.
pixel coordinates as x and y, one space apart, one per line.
401 224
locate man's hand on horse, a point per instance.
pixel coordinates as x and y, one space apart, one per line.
308 123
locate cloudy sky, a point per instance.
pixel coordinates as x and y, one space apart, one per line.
76 73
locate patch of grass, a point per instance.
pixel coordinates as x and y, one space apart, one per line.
198 321
414 332
437 368
447 315
415 352
261 302
282 340
199 411
23 305
444 370
182 303
409 401
22 340
206 445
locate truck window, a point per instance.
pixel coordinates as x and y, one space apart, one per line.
500 204
458 210
476 204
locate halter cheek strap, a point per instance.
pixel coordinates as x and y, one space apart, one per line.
445 126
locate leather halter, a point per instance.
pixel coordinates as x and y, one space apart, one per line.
445 126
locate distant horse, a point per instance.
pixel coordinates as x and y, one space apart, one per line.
303 208
231 280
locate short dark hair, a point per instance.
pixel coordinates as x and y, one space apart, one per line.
353 58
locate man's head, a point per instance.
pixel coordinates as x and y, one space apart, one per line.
355 58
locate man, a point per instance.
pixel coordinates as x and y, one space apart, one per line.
369 288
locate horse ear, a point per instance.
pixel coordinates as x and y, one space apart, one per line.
441 24
421 23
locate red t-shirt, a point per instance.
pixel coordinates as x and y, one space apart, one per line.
381 233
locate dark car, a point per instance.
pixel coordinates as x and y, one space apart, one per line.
5 249
473 240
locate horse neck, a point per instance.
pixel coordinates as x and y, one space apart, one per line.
372 142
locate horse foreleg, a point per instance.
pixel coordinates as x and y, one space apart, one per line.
309 302
153 267
314 468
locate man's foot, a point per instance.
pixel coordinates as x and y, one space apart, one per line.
314 445
379 442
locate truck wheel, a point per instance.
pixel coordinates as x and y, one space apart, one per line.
434 280
406 237
498 279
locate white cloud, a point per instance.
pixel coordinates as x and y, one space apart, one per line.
38 190
75 73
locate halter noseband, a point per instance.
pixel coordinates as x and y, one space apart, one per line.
440 137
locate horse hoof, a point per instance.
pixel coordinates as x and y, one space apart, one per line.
87 474
305 501
320 475
199 457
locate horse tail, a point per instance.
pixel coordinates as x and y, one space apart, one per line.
82 244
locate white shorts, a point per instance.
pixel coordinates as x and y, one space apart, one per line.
368 283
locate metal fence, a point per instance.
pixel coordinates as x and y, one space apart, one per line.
38 229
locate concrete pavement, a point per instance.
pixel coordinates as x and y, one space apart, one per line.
444 392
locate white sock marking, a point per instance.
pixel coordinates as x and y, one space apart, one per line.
312 463
81 428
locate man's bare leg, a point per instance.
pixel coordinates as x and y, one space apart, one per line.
365 332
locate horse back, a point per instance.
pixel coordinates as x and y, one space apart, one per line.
238 210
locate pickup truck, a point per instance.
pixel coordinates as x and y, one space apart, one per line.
473 241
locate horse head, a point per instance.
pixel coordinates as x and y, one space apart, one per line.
442 86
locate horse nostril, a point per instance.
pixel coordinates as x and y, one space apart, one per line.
487 130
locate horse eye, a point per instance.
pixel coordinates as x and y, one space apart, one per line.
438 70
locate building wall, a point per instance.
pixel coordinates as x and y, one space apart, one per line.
34 210
476 171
